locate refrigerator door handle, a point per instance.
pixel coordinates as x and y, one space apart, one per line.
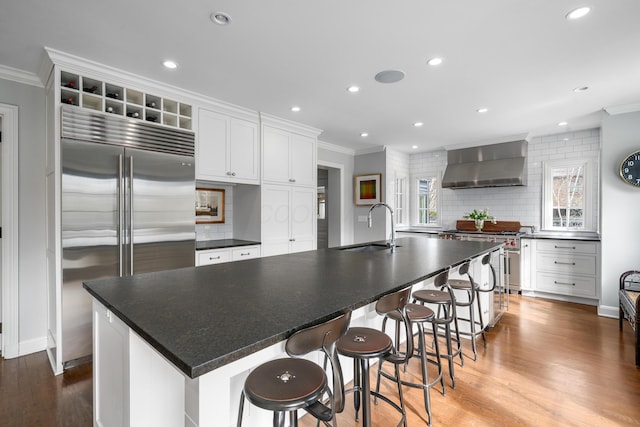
121 235
131 215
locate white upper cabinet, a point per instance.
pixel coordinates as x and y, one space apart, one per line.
227 148
289 158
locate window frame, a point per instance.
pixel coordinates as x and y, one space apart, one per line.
547 194
438 196
401 217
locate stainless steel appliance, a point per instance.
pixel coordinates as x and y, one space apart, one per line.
127 208
508 270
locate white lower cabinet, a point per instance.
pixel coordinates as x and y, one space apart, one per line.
288 219
566 267
217 256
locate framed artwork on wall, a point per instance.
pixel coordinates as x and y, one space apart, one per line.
367 189
209 205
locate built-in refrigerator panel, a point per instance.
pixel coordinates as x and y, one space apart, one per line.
160 211
127 207
90 243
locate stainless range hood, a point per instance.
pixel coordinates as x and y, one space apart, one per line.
495 165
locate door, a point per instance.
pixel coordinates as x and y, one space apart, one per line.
160 211
90 242
303 219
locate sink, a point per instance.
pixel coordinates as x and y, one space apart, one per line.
369 247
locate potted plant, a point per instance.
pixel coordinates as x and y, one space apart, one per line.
479 217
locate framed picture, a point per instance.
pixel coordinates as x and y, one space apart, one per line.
367 189
209 205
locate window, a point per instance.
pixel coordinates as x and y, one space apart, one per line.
567 196
428 201
400 196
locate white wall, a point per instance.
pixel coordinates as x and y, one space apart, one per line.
365 164
522 204
31 269
620 207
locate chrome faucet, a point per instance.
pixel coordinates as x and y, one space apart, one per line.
392 244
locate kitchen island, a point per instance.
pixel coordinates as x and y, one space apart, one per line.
173 348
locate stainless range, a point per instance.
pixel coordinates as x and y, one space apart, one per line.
511 242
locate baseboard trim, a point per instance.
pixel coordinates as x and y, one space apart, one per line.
609 311
32 346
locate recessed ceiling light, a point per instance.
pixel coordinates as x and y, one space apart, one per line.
170 64
482 110
563 124
364 134
414 146
418 124
353 89
295 108
220 18
389 76
581 89
434 61
578 13
565 139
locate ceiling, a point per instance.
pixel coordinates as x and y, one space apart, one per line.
520 59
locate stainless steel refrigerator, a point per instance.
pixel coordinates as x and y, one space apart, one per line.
128 191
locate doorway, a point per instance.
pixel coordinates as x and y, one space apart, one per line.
329 206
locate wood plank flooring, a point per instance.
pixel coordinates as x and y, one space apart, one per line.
547 363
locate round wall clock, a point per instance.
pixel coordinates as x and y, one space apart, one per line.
630 169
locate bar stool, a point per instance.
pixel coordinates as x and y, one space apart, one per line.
473 289
470 288
363 344
446 315
288 384
417 314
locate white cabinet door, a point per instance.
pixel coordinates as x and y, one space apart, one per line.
245 252
303 160
303 219
275 148
211 149
243 150
275 219
288 158
227 149
111 369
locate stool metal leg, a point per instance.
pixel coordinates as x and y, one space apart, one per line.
356 386
240 409
366 402
425 375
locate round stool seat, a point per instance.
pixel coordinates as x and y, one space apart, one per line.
432 296
364 343
415 313
285 384
460 284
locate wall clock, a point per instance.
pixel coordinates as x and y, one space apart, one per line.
630 169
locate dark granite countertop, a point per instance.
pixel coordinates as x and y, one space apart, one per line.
205 317
223 243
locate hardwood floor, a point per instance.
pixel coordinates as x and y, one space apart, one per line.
547 363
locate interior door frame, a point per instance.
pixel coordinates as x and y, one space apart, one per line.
340 168
9 346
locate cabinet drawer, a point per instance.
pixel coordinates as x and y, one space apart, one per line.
566 263
246 252
214 257
566 284
567 246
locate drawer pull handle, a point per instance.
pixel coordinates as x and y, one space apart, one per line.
245 254
292 180
563 283
564 263
565 247
211 258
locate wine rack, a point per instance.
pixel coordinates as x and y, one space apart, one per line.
86 92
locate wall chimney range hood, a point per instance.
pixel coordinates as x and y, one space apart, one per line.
495 165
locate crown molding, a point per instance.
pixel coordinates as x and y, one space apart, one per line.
289 125
622 109
371 150
336 148
20 76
